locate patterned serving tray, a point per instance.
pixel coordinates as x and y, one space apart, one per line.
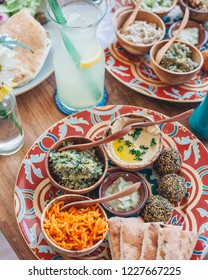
33 189
136 73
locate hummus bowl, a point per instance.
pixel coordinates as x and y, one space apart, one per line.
136 150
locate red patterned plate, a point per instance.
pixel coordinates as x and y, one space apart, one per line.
136 73
33 189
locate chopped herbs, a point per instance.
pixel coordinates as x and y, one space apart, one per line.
153 142
143 147
136 133
137 154
120 149
128 143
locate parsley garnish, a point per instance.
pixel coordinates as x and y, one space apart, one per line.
119 140
128 143
136 133
137 154
143 147
153 142
120 149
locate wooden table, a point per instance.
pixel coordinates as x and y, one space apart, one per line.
38 113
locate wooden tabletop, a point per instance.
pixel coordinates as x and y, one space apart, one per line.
38 112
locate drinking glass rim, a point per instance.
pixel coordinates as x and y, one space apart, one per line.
50 13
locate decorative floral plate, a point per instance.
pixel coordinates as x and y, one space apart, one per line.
33 189
136 73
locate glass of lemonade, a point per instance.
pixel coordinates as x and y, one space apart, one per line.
79 60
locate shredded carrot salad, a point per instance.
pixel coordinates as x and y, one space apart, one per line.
75 229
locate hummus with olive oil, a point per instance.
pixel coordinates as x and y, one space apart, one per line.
139 146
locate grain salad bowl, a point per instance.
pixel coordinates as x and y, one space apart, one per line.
78 177
171 77
119 18
136 150
71 219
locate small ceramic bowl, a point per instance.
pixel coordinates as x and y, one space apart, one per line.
175 78
202 32
127 176
122 160
77 140
121 16
197 15
162 13
62 251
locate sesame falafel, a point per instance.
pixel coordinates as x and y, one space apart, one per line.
169 161
157 209
172 187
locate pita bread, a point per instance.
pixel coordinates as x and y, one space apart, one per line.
168 244
187 245
149 246
131 240
23 27
114 225
175 244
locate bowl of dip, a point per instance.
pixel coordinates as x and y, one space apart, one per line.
194 33
198 9
136 150
74 171
128 205
179 65
161 8
60 227
142 34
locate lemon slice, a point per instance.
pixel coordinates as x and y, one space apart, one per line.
92 61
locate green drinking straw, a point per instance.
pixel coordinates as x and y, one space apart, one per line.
71 49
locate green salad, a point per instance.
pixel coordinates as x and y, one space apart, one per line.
157 5
11 7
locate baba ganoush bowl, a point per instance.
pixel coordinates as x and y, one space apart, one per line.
76 172
56 238
175 78
125 206
161 12
202 35
136 150
119 18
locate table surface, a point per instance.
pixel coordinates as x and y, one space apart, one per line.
36 119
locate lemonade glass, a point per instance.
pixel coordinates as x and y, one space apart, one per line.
79 60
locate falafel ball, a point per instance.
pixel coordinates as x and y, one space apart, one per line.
172 187
157 209
169 161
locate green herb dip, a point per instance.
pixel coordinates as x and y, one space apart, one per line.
75 169
178 59
123 204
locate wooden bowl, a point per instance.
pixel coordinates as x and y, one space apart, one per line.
197 15
170 77
160 14
62 251
190 24
127 176
121 16
135 165
77 140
